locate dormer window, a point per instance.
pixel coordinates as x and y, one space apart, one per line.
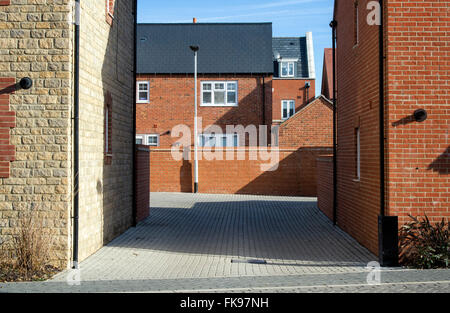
287 69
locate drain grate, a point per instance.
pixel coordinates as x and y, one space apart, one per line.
252 261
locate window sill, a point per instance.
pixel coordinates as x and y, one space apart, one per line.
219 105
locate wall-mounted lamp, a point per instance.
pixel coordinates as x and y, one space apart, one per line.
420 115
307 86
26 83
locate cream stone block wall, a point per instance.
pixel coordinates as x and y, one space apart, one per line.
36 41
106 64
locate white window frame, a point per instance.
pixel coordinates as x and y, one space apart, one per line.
145 137
218 139
213 104
147 140
288 68
138 91
141 137
288 108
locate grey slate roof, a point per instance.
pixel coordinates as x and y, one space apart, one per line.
291 48
224 48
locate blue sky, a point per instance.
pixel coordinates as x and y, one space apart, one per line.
290 18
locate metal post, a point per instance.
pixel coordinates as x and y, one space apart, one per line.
195 131
195 49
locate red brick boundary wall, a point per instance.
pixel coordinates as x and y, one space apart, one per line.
295 176
142 182
7 121
325 185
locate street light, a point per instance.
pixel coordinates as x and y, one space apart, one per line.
195 49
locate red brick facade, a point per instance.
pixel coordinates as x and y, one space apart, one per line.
417 154
325 185
312 126
291 89
172 103
295 176
302 139
7 121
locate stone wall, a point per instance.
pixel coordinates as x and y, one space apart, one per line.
106 67
35 41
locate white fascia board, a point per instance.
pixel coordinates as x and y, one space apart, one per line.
310 53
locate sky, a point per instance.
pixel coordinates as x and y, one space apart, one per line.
290 18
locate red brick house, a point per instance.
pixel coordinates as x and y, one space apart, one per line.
236 65
234 76
294 75
392 78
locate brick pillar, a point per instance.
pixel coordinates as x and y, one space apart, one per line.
142 182
7 121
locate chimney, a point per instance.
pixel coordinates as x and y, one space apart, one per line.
195 20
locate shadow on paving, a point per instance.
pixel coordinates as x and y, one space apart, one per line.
291 231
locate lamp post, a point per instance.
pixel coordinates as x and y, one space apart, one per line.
195 49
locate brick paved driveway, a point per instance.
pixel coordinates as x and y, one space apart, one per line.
204 242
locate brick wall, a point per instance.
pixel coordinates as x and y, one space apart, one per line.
312 126
302 138
7 121
172 103
417 154
325 185
291 89
357 106
418 165
142 182
295 176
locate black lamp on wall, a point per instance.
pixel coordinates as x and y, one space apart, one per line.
420 115
26 83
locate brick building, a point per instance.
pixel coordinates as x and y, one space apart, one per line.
327 74
39 138
235 78
416 149
236 87
294 77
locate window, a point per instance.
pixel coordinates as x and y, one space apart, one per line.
218 140
143 92
287 108
287 69
357 154
108 128
356 24
219 94
139 140
153 140
148 140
